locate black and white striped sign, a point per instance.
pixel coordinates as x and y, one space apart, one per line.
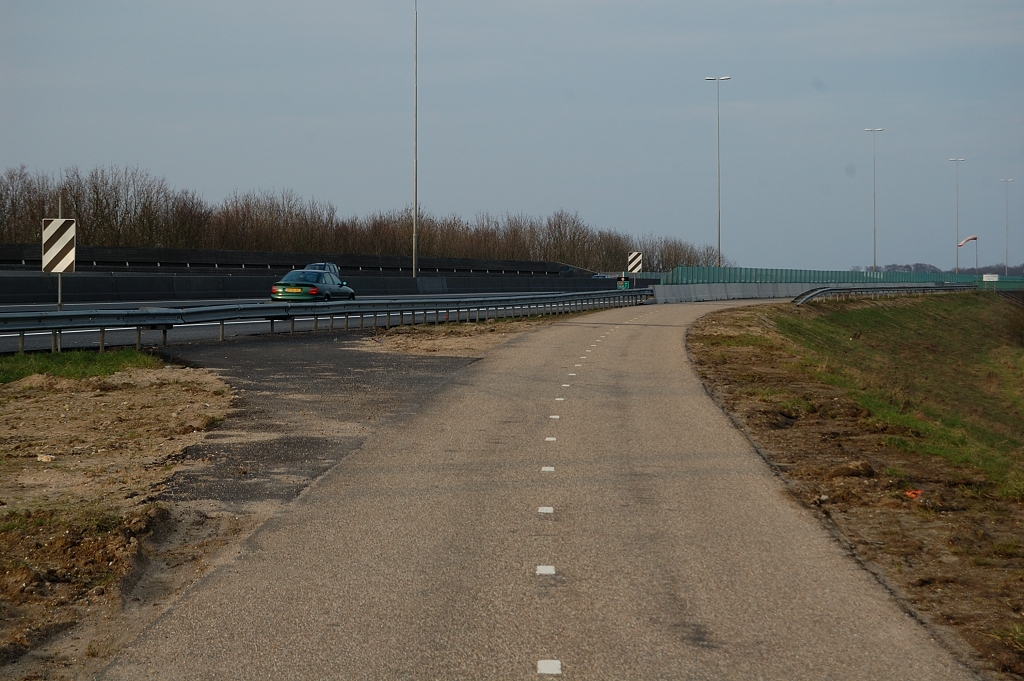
635 262
58 245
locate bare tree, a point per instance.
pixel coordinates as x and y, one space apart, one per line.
130 207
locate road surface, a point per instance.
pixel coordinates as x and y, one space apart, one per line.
588 452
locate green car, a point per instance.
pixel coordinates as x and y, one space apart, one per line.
311 285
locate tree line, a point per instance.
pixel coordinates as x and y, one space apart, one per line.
128 206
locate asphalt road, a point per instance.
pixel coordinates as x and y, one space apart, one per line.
43 341
675 553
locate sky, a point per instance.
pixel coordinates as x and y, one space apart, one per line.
596 107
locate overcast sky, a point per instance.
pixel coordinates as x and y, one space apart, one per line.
596 107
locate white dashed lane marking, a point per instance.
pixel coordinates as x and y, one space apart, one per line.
553 416
545 569
549 439
579 365
549 667
572 374
559 399
565 385
547 469
545 509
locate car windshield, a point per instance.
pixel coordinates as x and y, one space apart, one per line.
302 276
317 266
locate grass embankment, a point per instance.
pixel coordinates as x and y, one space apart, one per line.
900 420
944 374
72 364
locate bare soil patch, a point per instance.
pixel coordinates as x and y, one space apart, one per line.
946 536
81 463
452 339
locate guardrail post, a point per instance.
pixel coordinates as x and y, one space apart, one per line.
331 328
165 336
103 338
21 342
387 320
316 325
291 328
138 336
53 341
271 327
220 335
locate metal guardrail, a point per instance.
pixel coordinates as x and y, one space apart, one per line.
1015 297
758 275
393 312
849 291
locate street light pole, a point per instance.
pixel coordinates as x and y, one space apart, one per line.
415 132
956 163
874 223
1006 263
718 87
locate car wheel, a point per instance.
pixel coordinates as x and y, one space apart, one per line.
351 296
327 297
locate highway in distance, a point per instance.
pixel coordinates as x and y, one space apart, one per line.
574 506
79 339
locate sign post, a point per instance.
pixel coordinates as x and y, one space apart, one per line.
635 262
58 255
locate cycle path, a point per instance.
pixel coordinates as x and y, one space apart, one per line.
573 505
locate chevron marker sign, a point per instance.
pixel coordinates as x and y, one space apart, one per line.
635 262
58 245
